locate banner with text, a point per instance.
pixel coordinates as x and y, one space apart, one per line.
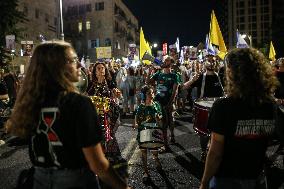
131 51
165 49
103 52
10 42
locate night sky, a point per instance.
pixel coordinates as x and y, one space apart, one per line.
165 20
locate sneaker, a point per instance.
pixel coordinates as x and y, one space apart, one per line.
145 178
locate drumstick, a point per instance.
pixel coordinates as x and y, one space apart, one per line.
145 121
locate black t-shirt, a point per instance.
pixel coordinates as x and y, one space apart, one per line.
10 81
212 87
247 131
279 93
75 126
3 88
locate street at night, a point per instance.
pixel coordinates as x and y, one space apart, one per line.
141 94
182 167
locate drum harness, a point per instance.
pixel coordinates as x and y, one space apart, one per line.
203 83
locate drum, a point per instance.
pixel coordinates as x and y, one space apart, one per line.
151 137
202 107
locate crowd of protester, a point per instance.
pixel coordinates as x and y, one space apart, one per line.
48 104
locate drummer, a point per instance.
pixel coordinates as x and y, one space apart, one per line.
148 112
208 85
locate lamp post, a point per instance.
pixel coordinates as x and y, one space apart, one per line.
61 21
154 48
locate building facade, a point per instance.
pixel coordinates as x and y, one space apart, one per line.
252 18
89 24
278 27
41 22
260 21
41 18
221 10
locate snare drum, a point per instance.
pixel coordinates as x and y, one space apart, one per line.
202 107
151 137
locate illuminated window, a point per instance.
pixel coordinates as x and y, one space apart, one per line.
80 25
117 45
88 25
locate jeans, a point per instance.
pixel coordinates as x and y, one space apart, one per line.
231 183
49 178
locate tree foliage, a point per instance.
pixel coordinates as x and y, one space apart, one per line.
9 17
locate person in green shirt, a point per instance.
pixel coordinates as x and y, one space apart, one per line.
148 113
167 83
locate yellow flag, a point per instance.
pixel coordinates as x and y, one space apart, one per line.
215 34
222 55
149 49
144 46
272 52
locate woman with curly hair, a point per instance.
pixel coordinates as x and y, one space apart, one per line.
65 138
242 124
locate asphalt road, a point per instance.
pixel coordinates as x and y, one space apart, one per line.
182 167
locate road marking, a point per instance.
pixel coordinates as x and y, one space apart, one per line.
183 152
134 159
127 150
127 124
136 156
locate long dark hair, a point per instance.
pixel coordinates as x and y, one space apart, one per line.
107 73
249 76
46 73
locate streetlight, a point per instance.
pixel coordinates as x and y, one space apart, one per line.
61 21
249 37
154 47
